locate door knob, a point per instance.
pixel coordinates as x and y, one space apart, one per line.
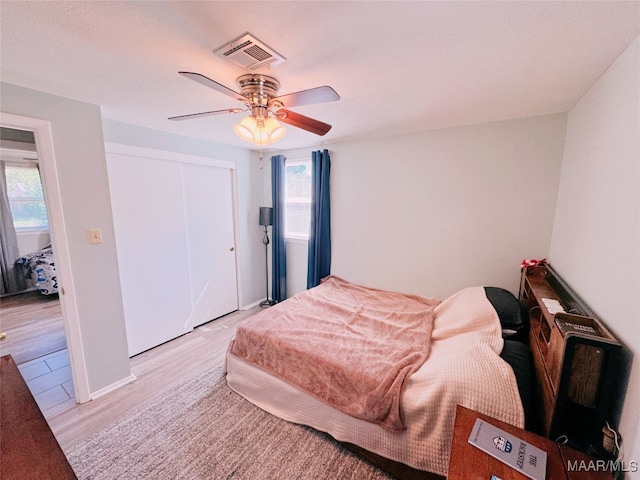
3 336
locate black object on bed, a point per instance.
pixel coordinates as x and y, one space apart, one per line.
510 313
516 351
518 356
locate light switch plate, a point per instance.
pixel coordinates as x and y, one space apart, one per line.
95 236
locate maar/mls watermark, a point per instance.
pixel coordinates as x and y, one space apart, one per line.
602 466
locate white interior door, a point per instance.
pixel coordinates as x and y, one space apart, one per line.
208 204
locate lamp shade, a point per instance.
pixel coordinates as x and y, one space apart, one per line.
260 132
266 216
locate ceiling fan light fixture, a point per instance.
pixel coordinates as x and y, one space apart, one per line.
260 131
246 128
275 131
259 94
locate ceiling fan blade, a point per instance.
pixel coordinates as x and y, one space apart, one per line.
300 121
205 114
207 82
306 97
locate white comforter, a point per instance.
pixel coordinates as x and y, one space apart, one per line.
463 368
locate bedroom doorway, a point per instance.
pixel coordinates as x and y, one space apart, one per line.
66 361
29 305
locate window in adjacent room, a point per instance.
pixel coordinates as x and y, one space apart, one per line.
26 197
297 209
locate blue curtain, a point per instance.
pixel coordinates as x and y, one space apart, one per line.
320 228
278 246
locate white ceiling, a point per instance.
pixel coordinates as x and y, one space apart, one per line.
398 66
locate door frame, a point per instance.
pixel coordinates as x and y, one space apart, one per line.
53 198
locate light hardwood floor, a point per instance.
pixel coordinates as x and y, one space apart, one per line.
156 371
33 324
36 340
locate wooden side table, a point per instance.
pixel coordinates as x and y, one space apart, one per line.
468 462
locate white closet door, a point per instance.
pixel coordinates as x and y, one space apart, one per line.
174 225
208 204
148 214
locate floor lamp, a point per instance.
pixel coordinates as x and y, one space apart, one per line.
266 219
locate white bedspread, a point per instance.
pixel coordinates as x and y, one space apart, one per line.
463 368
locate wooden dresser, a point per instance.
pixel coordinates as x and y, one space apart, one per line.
575 358
29 448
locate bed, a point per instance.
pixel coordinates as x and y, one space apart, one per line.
40 270
288 361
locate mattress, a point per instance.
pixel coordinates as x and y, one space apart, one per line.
464 367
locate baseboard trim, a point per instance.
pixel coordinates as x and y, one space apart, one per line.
254 304
112 387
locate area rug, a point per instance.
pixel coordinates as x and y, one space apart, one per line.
201 429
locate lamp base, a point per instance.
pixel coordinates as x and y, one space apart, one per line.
267 303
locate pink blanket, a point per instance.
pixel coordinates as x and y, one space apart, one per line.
353 347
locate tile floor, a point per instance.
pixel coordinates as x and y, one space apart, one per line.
49 379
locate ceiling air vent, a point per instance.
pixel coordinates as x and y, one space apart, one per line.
249 52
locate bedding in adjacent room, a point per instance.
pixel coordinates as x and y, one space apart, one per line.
40 270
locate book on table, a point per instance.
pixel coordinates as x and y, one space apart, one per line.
509 449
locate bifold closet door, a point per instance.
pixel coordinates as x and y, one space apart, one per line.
174 232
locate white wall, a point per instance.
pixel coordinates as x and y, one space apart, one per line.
250 193
31 241
433 212
78 139
81 169
595 244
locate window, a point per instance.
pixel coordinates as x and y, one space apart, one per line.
26 198
297 199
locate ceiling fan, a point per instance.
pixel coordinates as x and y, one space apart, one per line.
259 94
